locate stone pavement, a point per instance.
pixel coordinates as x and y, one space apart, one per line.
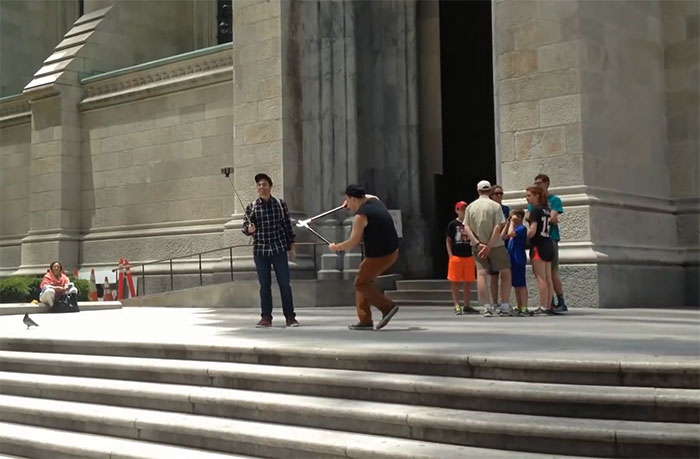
634 335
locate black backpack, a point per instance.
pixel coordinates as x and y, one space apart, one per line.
66 303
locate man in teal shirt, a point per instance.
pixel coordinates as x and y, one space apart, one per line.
556 209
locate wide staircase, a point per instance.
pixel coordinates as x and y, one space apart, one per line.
65 398
426 292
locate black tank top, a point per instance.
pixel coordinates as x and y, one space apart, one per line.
541 216
380 233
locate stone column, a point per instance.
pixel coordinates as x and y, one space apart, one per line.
266 101
580 90
55 201
388 122
326 37
681 65
55 182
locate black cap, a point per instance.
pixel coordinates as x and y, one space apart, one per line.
355 191
263 176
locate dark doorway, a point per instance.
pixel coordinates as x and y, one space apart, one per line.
468 138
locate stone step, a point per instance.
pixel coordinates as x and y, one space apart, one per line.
31 441
544 434
645 404
440 295
447 302
555 370
236 436
28 308
426 284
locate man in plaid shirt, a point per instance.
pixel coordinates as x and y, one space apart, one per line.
268 221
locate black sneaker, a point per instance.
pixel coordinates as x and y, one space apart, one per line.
292 323
544 312
561 307
387 317
470 310
359 326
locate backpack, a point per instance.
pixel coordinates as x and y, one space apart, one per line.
66 303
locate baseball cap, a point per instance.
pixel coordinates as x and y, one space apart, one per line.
355 191
263 176
461 205
483 185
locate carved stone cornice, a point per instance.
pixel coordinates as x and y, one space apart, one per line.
14 110
199 68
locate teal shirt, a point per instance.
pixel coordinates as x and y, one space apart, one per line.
554 204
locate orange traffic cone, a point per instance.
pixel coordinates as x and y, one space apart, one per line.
92 294
108 291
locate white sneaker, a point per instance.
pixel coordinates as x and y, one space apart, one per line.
488 310
505 310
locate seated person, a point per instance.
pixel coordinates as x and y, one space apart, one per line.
55 284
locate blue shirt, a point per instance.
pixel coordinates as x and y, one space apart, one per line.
506 211
554 203
516 246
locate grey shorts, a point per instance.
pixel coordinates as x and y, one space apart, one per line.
555 260
497 260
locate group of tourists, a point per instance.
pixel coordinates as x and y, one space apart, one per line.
487 242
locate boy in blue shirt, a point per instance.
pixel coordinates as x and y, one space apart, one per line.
517 234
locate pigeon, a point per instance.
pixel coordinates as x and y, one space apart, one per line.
29 322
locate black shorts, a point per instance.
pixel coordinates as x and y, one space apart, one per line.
545 250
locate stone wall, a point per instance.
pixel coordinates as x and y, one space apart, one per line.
30 30
140 31
15 141
538 91
155 165
132 170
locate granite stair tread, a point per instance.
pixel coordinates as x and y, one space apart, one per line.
679 405
54 443
187 428
365 411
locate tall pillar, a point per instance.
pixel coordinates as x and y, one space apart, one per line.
388 121
580 91
54 181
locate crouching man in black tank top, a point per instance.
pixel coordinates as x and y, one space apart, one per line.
374 224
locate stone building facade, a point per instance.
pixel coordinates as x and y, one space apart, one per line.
113 147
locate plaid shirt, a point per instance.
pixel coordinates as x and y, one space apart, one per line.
273 226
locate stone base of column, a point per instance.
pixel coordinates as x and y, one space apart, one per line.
621 286
40 250
415 259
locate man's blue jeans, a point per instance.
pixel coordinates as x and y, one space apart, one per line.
264 265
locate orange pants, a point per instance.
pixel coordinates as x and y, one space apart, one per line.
366 293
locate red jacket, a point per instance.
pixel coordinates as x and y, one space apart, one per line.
50 279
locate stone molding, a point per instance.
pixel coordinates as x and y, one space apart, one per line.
161 229
155 80
592 253
586 195
14 110
596 253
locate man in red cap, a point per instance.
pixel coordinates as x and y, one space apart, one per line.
460 268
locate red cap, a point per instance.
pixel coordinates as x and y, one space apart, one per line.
460 205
